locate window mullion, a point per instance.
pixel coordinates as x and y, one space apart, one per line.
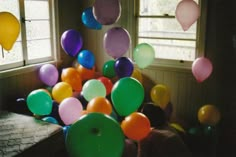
23 32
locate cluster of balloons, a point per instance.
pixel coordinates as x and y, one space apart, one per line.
187 12
9 30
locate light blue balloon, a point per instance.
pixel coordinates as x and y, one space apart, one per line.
89 20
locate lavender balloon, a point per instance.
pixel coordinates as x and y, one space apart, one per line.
124 67
71 42
48 74
107 12
116 42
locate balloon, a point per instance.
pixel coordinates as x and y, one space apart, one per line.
178 127
136 126
202 69
108 69
107 12
107 83
144 55
55 112
123 67
39 102
93 88
99 104
137 75
71 42
50 120
160 95
72 77
86 74
187 12
61 91
89 20
127 95
116 42
70 110
95 134
86 59
65 130
48 74
9 30
209 115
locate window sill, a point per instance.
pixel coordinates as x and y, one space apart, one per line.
25 69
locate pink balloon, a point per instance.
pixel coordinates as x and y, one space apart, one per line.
202 69
70 110
116 42
107 12
187 12
48 74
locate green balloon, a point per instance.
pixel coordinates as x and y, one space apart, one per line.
108 69
39 102
127 95
93 88
144 55
95 135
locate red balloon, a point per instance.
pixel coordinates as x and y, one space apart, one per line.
107 83
202 69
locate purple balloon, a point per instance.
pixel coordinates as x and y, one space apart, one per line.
71 42
123 67
48 74
107 12
116 42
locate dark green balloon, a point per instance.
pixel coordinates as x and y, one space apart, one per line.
108 69
95 135
127 95
39 102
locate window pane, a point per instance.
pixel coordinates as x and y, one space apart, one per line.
11 6
14 55
36 9
39 49
158 7
164 28
172 49
37 30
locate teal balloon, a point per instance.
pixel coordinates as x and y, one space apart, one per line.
89 20
95 135
39 102
93 88
127 95
144 55
50 120
108 69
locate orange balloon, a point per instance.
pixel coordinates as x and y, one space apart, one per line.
86 74
72 76
209 115
99 104
136 126
107 83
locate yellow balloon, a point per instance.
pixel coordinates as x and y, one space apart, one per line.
9 30
177 127
61 91
137 75
160 95
209 115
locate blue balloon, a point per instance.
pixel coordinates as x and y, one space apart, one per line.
86 59
89 20
65 130
50 120
123 67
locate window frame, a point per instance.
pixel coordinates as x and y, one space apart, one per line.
26 65
200 38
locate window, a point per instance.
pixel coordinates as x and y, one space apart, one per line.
36 42
158 26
